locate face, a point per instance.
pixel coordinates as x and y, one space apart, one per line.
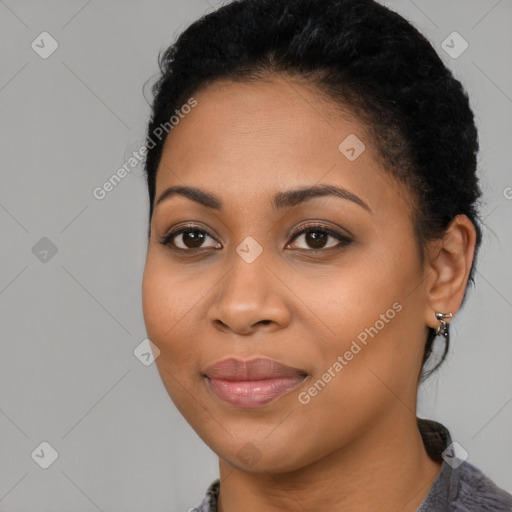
329 285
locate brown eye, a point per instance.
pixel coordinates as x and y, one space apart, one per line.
191 238
316 237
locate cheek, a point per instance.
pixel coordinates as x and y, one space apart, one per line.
167 300
373 321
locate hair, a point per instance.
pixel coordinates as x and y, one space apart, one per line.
362 57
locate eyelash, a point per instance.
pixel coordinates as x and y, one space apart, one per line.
344 240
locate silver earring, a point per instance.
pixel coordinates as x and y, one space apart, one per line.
443 328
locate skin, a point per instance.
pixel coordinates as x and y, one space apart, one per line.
355 445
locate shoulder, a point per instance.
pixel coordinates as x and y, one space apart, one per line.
477 492
460 486
209 503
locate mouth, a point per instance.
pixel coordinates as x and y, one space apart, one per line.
252 383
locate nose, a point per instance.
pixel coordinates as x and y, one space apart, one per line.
249 298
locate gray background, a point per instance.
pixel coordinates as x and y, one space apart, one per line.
70 321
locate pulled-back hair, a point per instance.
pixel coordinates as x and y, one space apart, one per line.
366 59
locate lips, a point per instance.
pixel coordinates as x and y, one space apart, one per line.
255 369
252 383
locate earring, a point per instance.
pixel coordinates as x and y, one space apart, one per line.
443 328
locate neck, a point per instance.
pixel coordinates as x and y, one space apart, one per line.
387 469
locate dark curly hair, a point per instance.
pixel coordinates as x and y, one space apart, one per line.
362 57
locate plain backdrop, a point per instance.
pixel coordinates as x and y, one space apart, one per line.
71 264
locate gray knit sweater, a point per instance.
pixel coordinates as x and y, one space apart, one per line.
459 486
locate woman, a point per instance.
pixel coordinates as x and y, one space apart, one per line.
313 228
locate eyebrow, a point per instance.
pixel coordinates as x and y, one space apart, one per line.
286 199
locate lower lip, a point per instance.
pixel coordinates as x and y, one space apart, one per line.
253 393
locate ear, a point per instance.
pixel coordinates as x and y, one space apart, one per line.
448 264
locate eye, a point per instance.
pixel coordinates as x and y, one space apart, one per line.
317 235
191 238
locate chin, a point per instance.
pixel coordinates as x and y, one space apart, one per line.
254 451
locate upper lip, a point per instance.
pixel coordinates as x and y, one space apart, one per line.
254 369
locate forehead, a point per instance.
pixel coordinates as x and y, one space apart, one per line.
246 140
